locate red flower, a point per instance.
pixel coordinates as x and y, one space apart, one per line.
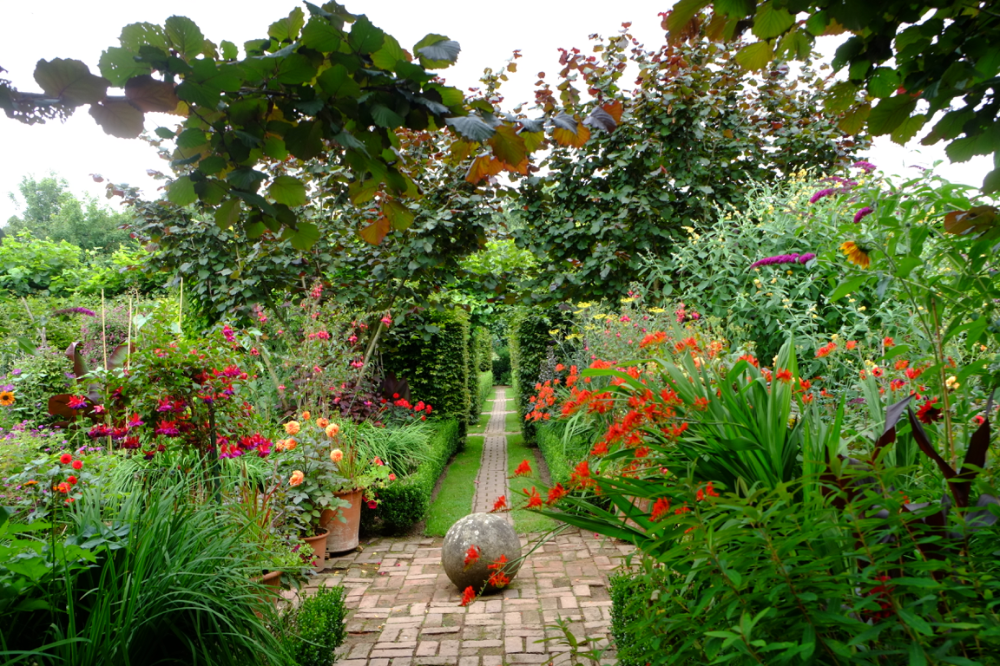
913 373
877 371
77 402
468 596
500 504
653 339
556 493
979 419
660 508
784 376
534 499
560 367
77 464
524 469
581 475
65 459
888 342
826 349
472 556
700 404
928 413
707 492
851 344
498 578
902 364
71 480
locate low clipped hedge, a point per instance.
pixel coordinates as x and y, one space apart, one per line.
485 386
630 602
549 440
404 502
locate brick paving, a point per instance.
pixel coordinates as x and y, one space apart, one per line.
406 612
491 482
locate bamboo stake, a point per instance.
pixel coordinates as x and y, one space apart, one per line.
128 338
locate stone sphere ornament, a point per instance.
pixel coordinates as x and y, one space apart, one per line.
492 537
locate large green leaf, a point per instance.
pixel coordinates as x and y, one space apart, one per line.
398 214
908 129
305 140
295 69
136 35
883 82
288 190
227 214
473 128
320 36
70 81
681 14
771 21
118 65
305 236
206 82
507 146
181 191
755 56
436 51
337 82
365 38
287 29
890 113
847 287
386 117
118 118
184 36
390 54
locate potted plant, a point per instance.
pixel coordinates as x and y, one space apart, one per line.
311 481
361 475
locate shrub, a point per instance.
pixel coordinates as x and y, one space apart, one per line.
629 594
316 628
501 366
484 349
563 445
430 350
530 341
404 502
485 387
472 375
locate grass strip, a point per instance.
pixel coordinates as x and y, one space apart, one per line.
525 521
512 422
454 499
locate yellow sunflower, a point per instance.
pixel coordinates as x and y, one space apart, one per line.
6 398
855 254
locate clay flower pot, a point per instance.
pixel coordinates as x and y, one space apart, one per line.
343 536
318 545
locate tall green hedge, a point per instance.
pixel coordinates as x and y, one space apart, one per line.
484 349
431 351
529 340
404 502
473 380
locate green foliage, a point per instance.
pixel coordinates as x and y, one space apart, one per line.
472 374
405 501
483 390
40 375
431 351
167 581
501 366
898 53
483 346
696 130
751 580
529 344
521 486
316 628
29 264
562 447
454 499
52 212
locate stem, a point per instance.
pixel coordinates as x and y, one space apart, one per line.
939 352
41 331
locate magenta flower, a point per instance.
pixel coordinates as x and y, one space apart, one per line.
168 429
83 311
793 258
867 166
822 193
98 431
77 402
862 214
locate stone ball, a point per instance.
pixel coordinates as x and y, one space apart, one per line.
494 537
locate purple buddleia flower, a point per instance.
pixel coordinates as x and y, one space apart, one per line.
822 193
793 258
867 166
82 311
862 214
806 257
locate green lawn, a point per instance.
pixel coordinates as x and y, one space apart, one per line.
512 422
454 499
525 521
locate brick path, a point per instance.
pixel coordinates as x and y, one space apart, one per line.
405 611
491 482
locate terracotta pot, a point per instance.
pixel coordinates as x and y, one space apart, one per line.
272 580
318 545
343 535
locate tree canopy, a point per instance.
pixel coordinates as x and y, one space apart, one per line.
912 59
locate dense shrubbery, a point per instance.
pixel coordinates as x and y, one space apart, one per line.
316 628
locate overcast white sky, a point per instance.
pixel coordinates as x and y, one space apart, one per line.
488 33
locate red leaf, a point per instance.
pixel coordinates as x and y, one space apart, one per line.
376 231
483 167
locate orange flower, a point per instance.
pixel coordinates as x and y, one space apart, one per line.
296 478
660 508
888 342
500 504
468 596
534 499
524 469
332 430
498 578
322 423
6 398
851 344
472 556
581 475
902 364
306 415
556 493
707 492
336 455
701 404
290 444
784 376
292 427
560 367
